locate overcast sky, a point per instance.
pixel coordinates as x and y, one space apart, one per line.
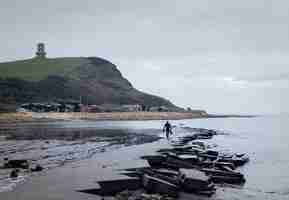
222 56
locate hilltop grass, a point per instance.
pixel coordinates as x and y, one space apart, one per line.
36 69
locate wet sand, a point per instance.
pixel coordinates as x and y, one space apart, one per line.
53 145
63 183
74 163
66 182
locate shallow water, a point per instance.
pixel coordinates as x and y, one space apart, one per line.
265 139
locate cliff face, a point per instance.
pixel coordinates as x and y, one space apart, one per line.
95 80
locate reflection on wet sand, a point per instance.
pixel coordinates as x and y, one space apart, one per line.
51 147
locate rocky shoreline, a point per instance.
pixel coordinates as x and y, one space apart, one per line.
189 166
57 149
23 150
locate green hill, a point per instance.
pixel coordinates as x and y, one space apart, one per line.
96 80
36 69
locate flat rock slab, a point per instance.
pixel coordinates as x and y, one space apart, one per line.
194 174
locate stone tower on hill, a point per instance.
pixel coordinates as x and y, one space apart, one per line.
41 50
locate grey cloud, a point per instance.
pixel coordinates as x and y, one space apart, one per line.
265 78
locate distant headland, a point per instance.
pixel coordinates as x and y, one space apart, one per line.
90 84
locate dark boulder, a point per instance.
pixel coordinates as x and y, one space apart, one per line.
37 168
14 173
23 164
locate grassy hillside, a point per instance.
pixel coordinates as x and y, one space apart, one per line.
36 69
96 80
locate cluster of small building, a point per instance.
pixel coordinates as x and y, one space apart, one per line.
49 107
76 107
124 108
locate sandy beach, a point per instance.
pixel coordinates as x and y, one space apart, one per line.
116 116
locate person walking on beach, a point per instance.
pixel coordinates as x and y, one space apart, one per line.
168 129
